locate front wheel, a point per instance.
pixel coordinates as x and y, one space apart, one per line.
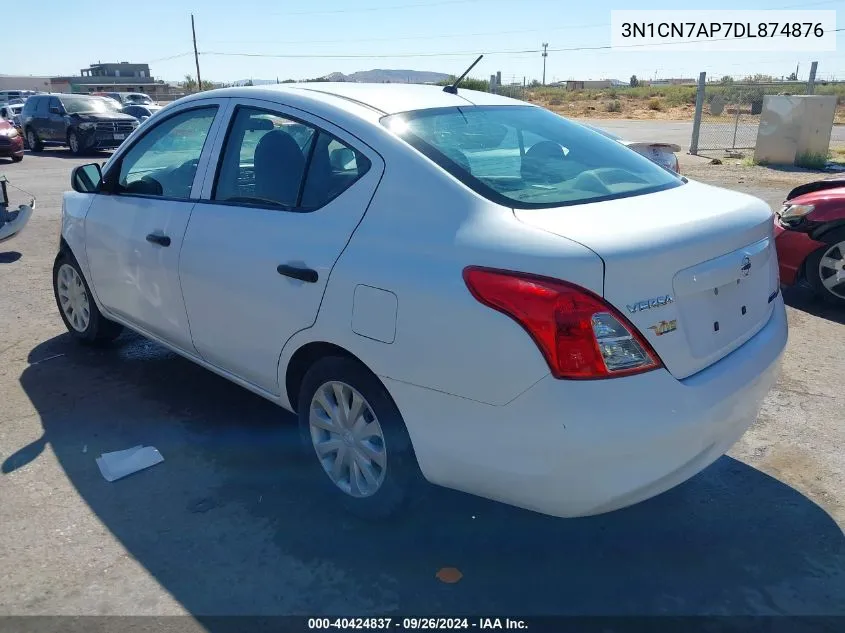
74 144
356 438
76 306
17 159
825 269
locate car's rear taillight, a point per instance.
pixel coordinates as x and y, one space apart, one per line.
579 334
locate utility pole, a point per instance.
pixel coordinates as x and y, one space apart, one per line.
812 80
196 55
545 54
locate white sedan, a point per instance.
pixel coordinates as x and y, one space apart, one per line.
459 288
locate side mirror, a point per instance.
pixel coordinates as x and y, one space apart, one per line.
86 178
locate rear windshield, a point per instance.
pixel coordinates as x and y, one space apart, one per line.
529 157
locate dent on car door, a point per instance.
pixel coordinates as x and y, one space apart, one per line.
134 231
286 197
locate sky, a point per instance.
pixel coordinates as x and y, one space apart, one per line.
323 36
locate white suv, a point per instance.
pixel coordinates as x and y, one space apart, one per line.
458 286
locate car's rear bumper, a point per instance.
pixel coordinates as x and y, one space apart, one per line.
573 448
793 247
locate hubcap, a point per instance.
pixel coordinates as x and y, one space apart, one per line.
74 143
348 439
30 138
832 270
73 298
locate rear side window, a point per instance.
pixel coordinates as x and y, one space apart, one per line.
271 160
528 157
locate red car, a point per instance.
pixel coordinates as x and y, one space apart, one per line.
11 142
810 238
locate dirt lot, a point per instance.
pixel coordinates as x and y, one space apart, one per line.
228 524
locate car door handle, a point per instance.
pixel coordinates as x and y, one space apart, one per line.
161 240
303 274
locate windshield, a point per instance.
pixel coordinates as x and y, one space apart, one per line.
78 105
528 157
138 99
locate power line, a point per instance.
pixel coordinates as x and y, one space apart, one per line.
381 8
416 37
461 53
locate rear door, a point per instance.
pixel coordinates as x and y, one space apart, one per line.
278 208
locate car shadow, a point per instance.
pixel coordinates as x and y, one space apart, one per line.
233 523
804 299
9 257
53 151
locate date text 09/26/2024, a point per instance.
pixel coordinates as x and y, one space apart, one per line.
416 624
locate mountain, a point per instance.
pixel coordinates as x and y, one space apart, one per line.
379 75
255 82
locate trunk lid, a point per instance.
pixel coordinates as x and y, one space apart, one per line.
693 268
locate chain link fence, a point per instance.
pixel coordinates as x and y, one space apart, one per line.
730 113
513 90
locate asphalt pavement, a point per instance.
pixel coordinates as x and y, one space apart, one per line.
231 523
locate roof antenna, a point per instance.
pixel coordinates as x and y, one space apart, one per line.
453 89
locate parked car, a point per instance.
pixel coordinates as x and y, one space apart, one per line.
810 238
142 113
129 98
11 142
437 288
12 114
80 122
12 222
15 96
664 154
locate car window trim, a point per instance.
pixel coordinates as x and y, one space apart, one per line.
317 131
113 170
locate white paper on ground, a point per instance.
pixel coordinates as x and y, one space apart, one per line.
119 464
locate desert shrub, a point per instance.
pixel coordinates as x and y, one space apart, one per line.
614 106
655 104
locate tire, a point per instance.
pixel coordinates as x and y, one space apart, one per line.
74 144
824 263
70 286
32 140
400 477
17 159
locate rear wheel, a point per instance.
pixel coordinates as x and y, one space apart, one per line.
33 141
356 439
17 159
825 269
76 306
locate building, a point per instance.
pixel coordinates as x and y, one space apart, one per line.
679 81
589 84
113 77
25 82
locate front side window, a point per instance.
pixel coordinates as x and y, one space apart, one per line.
164 161
528 157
